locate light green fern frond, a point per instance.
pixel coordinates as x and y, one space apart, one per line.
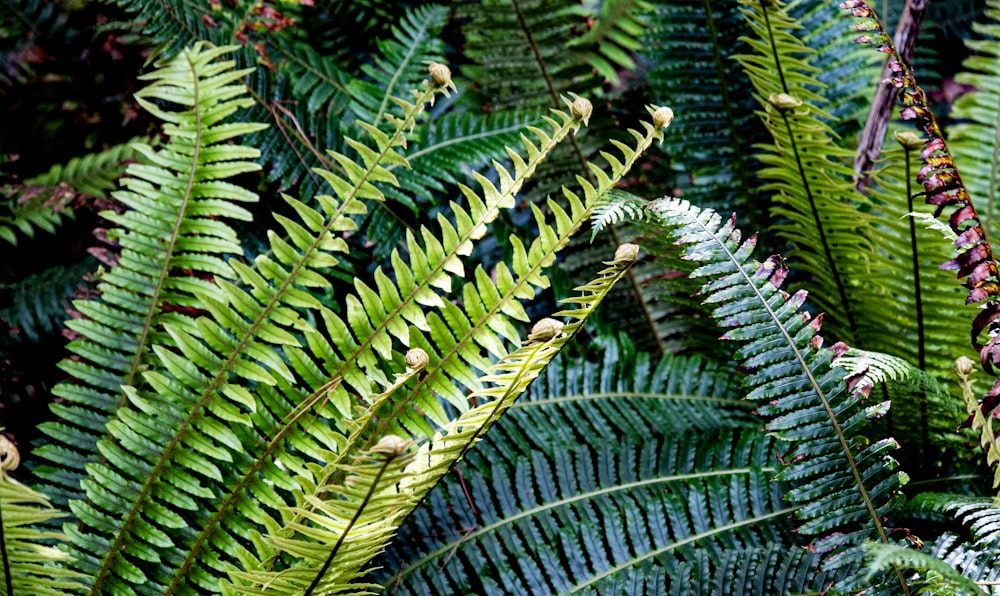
374 519
178 203
806 169
29 558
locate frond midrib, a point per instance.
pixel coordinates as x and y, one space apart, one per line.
790 342
209 392
580 497
151 313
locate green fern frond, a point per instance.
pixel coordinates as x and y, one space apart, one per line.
519 54
178 200
44 201
613 35
690 45
401 63
632 455
40 303
935 577
30 557
507 379
806 169
843 484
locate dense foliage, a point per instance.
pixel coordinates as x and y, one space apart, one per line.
499 296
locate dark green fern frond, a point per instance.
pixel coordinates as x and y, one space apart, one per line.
689 46
42 202
613 35
842 484
519 52
177 200
39 304
935 576
633 454
401 62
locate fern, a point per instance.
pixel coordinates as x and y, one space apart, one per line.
806 169
45 201
176 199
535 490
28 559
844 487
38 305
936 576
510 376
690 45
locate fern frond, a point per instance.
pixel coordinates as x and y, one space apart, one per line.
178 203
631 456
613 35
964 368
806 169
38 305
507 380
689 45
30 557
945 190
44 201
843 484
401 63
935 577
519 54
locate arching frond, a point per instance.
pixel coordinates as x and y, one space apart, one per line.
829 224
44 201
29 558
843 484
173 240
387 499
625 498
39 304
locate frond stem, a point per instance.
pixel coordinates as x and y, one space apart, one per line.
343 535
827 251
921 339
535 51
451 546
683 542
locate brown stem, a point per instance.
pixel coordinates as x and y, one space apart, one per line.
870 145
